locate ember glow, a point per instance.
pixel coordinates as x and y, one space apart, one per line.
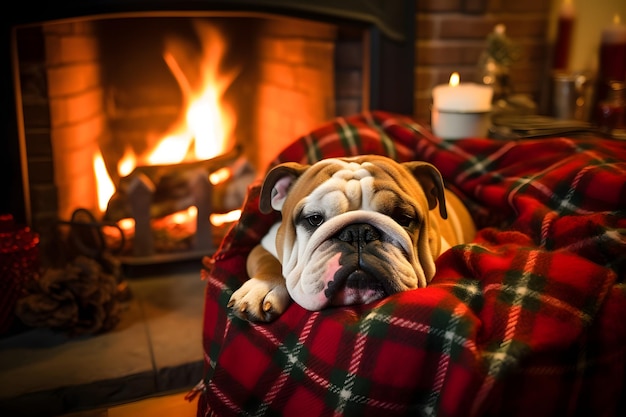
218 219
220 175
184 216
184 221
127 224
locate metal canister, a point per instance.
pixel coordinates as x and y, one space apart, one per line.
571 96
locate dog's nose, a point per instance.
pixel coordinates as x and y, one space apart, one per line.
359 234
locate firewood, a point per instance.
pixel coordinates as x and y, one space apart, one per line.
172 186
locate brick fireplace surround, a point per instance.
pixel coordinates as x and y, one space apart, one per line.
64 107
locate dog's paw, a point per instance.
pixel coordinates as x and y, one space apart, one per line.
259 300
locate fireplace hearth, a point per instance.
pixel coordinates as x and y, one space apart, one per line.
112 77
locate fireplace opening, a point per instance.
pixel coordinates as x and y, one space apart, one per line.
157 123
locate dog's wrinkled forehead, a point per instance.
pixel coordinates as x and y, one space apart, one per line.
350 185
352 170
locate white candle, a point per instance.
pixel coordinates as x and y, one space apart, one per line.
462 97
461 110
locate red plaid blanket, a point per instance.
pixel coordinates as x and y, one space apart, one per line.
529 319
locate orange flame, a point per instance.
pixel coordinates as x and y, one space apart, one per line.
127 163
105 185
206 125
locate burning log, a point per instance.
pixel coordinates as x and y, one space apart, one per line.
164 200
169 188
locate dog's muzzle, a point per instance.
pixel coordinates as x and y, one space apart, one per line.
355 258
361 269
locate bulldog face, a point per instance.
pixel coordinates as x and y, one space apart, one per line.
354 230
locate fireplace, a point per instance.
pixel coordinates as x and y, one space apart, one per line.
215 83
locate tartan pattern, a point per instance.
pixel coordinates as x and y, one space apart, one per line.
528 319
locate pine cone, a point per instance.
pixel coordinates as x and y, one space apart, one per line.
79 299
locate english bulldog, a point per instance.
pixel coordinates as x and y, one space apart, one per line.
353 230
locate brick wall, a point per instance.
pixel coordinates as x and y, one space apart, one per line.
309 72
61 96
63 116
78 125
296 83
451 35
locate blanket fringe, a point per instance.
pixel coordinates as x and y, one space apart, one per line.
193 393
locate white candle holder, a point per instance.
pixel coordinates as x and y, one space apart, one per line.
453 124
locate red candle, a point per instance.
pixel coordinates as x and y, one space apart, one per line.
612 64
611 112
612 59
565 27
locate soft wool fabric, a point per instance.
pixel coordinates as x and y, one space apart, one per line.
529 319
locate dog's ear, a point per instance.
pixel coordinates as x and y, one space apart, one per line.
277 184
430 179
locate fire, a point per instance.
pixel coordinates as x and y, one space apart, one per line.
205 128
220 175
204 119
105 185
208 123
170 150
184 216
126 163
219 219
184 220
126 224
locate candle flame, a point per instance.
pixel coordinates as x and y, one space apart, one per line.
616 19
454 79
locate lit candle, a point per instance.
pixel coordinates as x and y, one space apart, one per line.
613 51
461 109
612 60
615 32
462 97
565 27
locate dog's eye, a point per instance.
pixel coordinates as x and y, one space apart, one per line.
403 218
315 220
